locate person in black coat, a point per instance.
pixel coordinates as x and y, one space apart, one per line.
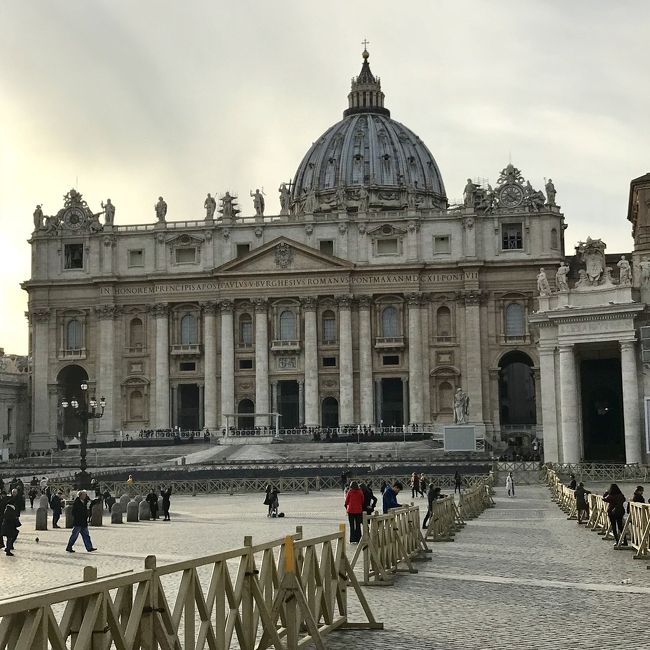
432 494
56 504
10 525
166 499
4 500
152 500
80 523
369 499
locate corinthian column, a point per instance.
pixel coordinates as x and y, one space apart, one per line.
311 363
474 387
631 419
366 389
346 384
210 365
161 417
106 366
42 428
415 358
227 360
261 362
568 390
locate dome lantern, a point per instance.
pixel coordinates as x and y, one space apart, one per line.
366 95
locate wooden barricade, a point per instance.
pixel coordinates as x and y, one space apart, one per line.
598 519
445 520
281 594
390 543
637 530
475 500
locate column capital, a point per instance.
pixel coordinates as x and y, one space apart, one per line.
209 308
226 306
344 301
160 310
472 297
627 346
261 305
309 303
364 301
566 347
40 315
413 299
107 312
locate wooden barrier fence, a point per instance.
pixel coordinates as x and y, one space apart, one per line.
283 594
475 500
444 522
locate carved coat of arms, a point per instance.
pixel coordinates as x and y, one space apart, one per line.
592 253
283 255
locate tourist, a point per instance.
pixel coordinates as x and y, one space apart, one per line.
581 502
510 485
637 497
432 495
129 480
274 504
10 525
152 500
458 482
369 499
267 499
383 486
57 507
415 484
615 510
4 500
80 523
423 484
572 482
354 500
32 494
166 494
390 496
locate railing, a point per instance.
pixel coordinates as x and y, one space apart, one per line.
389 342
285 344
283 594
603 471
77 353
185 348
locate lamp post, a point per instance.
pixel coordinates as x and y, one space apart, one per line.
85 410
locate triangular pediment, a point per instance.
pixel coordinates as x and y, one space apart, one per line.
284 255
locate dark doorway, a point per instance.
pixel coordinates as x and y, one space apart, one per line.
330 416
188 407
288 404
602 410
69 383
517 390
245 422
392 402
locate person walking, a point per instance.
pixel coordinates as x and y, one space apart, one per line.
354 500
458 482
432 495
4 500
415 484
582 506
152 500
166 495
267 499
615 509
57 508
32 494
10 526
423 484
80 523
510 485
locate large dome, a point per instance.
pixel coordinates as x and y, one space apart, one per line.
367 149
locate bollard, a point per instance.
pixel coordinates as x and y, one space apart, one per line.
96 514
41 518
116 514
132 511
43 502
124 500
144 512
67 513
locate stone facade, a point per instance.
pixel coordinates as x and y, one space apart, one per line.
14 404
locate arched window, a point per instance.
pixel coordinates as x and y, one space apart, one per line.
74 335
445 397
515 325
287 325
136 333
136 405
246 329
389 322
329 327
554 241
189 330
443 322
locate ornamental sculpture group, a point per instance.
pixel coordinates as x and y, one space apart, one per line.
595 274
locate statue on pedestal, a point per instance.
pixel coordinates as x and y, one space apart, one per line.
109 212
38 217
625 272
469 193
210 206
561 283
258 202
285 198
461 406
550 193
228 208
644 265
161 210
363 199
543 286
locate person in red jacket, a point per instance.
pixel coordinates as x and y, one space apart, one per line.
354 507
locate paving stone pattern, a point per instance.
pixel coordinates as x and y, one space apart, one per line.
520 576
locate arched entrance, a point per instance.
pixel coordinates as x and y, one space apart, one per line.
517 407
69 381
330 412
245 422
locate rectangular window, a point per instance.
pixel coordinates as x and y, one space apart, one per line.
391 360
245 364
243 249
326 246
136 257
387 246
73 256
329 362
187 366
512 238
185 255
442 244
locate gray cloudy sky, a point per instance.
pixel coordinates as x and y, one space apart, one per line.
180 98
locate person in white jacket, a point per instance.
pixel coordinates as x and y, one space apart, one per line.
510 485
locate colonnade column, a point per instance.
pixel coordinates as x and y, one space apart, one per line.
261 363
366 401
549 408
631 418
161 418
311 363
346 385
301 403
569 415
106 375
415 358
474 366
227 360
210 365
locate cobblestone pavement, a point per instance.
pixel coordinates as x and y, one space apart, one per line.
519 576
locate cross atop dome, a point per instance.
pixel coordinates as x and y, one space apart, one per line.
366 95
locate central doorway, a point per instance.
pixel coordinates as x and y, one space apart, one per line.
246 422
188 407
602 410
392 402
288 404
330 413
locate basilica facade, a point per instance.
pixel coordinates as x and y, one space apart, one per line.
369 300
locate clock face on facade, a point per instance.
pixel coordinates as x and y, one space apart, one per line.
73 218
511 196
